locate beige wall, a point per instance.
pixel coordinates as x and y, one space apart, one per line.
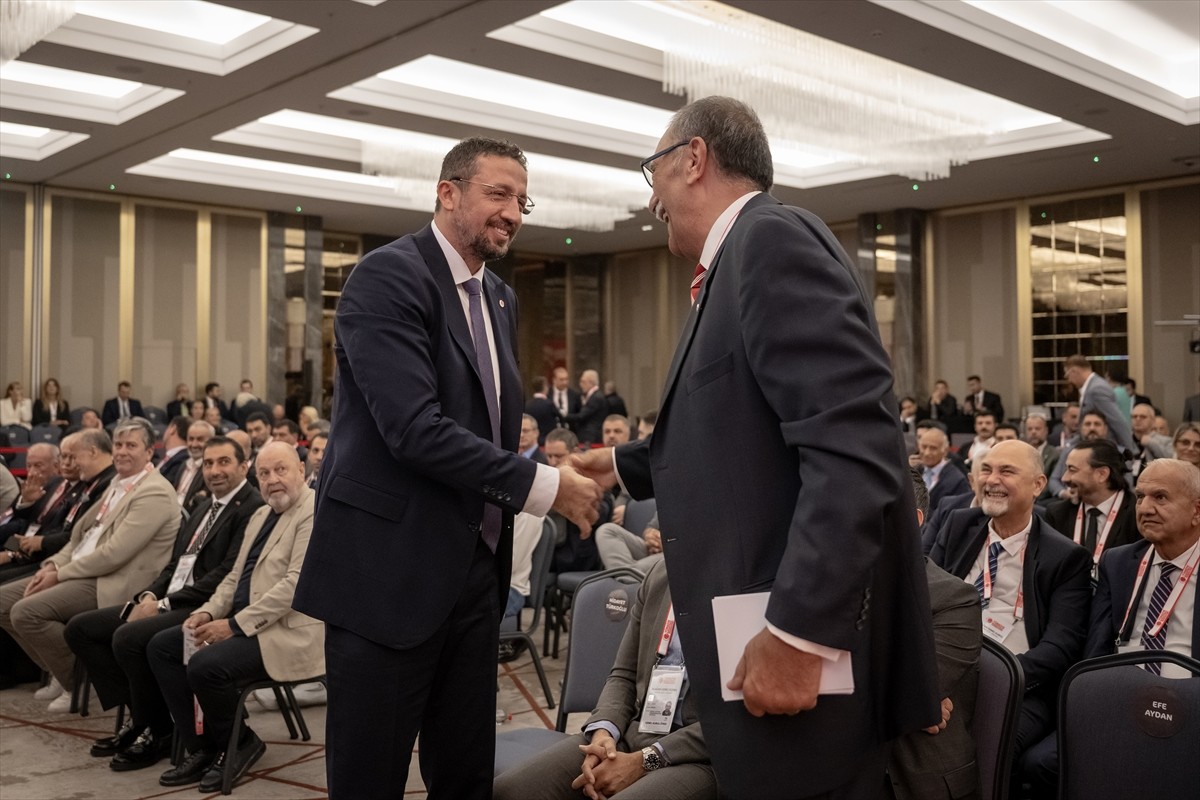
14 311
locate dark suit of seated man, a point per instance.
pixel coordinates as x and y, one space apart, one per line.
574 552
246 632
114 649
122 406
619 760
1038 608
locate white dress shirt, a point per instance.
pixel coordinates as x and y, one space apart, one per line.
1010 571
1182 619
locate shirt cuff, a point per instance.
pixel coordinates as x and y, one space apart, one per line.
616 472
825 652
662 753
542 493
602 725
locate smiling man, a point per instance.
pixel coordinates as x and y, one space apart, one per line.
419 489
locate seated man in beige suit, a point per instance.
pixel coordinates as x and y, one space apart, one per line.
246 632
117 547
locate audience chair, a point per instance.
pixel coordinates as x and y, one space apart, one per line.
591 650
76 415
543 554
288 707
45 434
638 514
155 414
961 441
16 459
1126 732
998 711
81 692
18 435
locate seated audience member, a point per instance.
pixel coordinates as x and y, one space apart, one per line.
316 453
114 648
651 747
1161 426
1095 394
527 532
908 414
259 428
527 445
308 415
247 631
1102 516
542 410
1037 433
181 406
941 478
1066 427
1187 443
213 399
1131 389
575 552
278 413
121 407
933 524
623 548
646 424
246 385
9 488
189 486
1091 429
979 399
316 427
243 440
939 762
1007 432
985 436
1034 584
197 410
119 545
15 408
614 401
42 461
212 415
175 451
1148 445
288 432
47 522
51 408
1168 517
587 422
941 405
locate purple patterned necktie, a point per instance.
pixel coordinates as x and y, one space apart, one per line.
1166 582
483 359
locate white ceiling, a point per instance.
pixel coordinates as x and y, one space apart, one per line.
1115 69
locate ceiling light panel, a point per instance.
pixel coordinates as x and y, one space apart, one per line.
33 143
78 95
189 34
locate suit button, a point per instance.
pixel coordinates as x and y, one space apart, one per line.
858 626
507 497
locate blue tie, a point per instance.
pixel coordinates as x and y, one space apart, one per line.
1166 582
993 555
483 360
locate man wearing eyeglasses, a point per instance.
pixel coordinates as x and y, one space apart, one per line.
782 339
411 548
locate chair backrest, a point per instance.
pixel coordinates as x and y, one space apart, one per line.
638 514
155 414
18 435
76 415
539 574
960 440
45 434
997 712
1126 732
599 617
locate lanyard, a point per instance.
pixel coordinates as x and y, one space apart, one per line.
1019 606
58 493
83 498
1102 534
108 497
668 631
1172 599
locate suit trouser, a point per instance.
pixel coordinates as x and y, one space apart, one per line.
114 652
620 548
548 776
37 622
214 675
444 687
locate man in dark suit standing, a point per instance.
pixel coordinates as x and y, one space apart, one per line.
1034 583
780 395
588 421
182 404
418 491
564 398
122 406
542 410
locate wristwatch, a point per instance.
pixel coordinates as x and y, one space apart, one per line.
164 606
651 760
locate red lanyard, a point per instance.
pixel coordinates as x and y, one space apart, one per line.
1172 599
58 493
108 497
1019 606
1102 534
664 641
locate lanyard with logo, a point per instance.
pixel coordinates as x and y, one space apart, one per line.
109 496
1102 534
1173 598
83 498
993 626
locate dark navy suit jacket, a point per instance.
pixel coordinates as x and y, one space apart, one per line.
403 483
778 465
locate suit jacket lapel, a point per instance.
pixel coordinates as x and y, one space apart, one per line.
456 321
226 517
1033 619
973 543
284 523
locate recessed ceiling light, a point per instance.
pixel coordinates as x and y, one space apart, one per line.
191 19
67 79
29 131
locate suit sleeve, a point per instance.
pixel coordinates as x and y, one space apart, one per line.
1062 642
633 468
956 629
151 512
814 354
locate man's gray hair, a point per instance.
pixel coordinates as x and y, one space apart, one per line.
142 426
734 135
1184 470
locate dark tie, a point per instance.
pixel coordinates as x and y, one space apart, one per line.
1162 591
698 281
993 555
483 359
1093 530
208 526
241 595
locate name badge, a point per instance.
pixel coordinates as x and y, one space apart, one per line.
997 628
32 529
662 697
190 645
183 573
87 545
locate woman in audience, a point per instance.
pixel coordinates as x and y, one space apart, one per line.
197 410
1187 443
15 408
51 408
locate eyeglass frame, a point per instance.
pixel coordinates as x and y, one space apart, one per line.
523 202
647 172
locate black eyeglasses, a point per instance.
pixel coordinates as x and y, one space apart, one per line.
648 163
500 195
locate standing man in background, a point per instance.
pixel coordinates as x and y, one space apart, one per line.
419 489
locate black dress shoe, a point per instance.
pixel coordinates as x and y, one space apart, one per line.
248 752
146 751
190 770
109 745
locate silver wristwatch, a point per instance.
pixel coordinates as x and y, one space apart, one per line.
164 606
651 760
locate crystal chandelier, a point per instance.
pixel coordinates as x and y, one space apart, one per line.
24 23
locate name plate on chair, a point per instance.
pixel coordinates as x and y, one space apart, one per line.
1159 711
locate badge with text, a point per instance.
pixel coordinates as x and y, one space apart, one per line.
183 573
997 628
666 683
